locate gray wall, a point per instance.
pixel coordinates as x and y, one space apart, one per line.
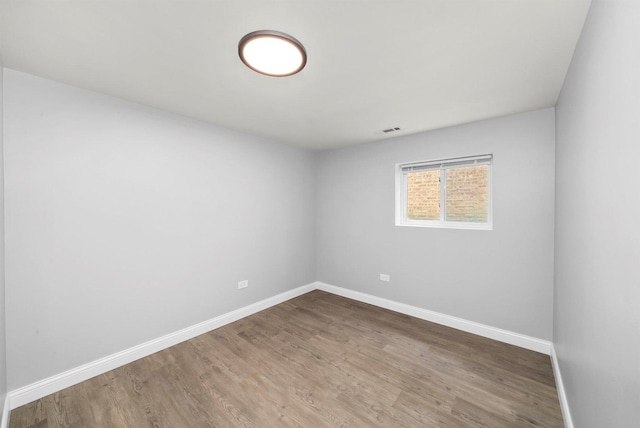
3 347
125 223
597 278
502 278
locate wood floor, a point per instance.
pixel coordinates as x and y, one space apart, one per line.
316 361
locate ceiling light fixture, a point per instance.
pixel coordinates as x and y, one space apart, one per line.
272 53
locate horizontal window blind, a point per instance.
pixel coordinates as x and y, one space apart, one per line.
446 163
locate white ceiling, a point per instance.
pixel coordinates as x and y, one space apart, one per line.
417 65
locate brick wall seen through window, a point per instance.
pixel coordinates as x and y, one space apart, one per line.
467 194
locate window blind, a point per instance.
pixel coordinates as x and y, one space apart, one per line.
446 163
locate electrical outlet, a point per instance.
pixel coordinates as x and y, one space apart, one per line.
243 284
384 277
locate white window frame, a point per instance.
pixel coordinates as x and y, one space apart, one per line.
402 170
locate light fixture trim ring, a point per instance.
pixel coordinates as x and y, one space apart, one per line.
272 34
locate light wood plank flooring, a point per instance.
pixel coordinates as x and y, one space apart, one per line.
316 361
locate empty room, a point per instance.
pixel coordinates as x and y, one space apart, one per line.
308 213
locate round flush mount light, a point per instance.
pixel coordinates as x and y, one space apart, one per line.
272 53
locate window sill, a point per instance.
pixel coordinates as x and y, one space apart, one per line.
439 225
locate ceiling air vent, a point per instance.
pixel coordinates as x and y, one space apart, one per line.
386 131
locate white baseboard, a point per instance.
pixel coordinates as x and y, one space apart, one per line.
71 377
37 390
4 423
501 335
562 396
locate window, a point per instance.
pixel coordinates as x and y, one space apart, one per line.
445 193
